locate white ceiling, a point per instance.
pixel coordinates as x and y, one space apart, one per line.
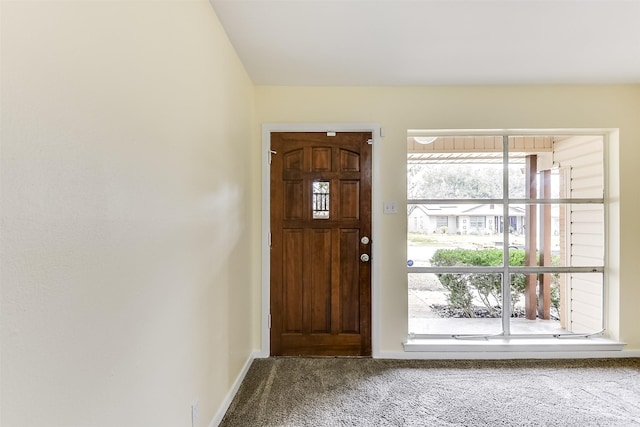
435 42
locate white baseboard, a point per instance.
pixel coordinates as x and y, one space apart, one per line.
217 419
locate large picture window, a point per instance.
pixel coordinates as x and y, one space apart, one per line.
523 250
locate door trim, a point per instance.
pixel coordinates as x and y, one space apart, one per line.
376 201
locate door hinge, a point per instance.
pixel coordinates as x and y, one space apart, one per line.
269 239
269 320
370 141
271 153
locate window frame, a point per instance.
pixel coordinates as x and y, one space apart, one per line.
506 201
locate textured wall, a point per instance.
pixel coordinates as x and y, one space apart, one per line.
127 234
398 109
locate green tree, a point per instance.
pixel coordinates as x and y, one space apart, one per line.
457 181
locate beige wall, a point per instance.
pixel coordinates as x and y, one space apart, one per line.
397 109
128 248
130 203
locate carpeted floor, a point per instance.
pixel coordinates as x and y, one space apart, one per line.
373 392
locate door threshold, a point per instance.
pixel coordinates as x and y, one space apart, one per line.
505 344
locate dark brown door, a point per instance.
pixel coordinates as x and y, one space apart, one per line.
320 229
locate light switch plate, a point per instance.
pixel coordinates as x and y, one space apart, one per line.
390 207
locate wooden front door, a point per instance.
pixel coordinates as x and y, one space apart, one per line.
320 229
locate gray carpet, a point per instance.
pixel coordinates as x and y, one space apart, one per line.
370 392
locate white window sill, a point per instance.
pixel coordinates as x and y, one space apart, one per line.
497 345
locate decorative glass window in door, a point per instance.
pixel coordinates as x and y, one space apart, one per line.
320 199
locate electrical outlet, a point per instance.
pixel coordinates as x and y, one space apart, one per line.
195 413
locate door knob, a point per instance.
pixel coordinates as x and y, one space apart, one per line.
364 258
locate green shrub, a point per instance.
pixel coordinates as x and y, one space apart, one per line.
487 286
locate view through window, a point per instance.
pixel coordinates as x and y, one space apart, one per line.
505 234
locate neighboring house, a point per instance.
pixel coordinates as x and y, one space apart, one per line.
426 219
463 219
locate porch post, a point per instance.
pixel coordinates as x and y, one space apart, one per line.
530 248
544 296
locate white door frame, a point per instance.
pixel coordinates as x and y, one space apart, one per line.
267 129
